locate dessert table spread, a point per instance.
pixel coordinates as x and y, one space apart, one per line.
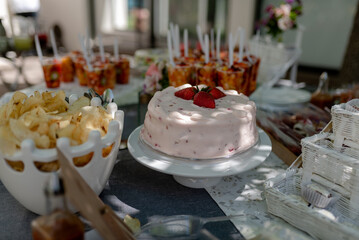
141 192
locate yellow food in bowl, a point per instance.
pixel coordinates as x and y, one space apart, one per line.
45 117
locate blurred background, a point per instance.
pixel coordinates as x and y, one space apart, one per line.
329 41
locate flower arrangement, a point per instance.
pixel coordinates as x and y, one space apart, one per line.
282 18
156 78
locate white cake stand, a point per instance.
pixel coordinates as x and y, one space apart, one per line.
199 173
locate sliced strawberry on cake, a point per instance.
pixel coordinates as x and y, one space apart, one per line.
204 99
216 93
186 93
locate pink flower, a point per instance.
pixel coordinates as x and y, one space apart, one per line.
153 76
154 71
285 23
283 10
150 83
287 8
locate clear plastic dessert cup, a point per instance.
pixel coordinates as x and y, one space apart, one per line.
230 78
122 68
52 72
67 69
247 75
179 74
206 73
101 77
80 71
255 68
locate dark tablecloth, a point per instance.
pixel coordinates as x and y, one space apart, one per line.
132 189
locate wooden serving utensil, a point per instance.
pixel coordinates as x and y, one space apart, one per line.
102 217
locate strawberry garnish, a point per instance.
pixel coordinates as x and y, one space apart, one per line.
204 99
186 93
216 93
201 97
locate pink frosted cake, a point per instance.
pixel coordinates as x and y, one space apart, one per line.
203 128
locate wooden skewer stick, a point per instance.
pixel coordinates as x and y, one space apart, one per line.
79 193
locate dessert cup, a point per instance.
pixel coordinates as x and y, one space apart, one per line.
80 71
52 72
247 75
206 74
67 69
179 74
255 61
101 77
230 78
122 68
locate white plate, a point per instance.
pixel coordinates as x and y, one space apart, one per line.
281 96
197 173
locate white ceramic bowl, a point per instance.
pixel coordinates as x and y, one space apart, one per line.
27 186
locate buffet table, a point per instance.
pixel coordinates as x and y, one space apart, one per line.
141 192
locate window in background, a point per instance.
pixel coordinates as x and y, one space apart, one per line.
128 20
188 13
132 20
130 15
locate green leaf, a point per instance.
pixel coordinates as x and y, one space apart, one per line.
164 82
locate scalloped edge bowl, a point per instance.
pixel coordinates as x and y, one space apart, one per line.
27 187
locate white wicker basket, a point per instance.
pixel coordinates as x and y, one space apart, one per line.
345 119
283 196
333 167
338 165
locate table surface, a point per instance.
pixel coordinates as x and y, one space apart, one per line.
132 189
141 192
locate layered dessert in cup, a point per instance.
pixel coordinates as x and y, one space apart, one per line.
101 77
52 72
230 77
179 74
255 68
206 74
110 74
67 69
122 68
247 75
80 62
192 61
